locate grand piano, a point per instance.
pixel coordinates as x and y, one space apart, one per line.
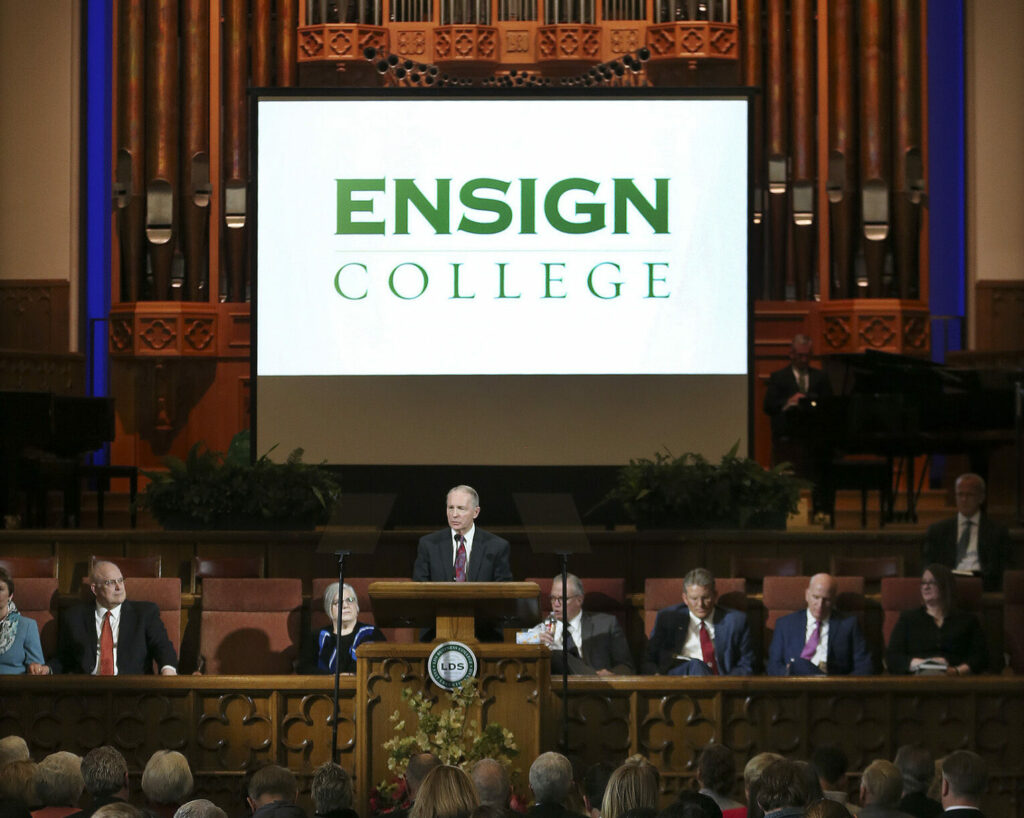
901 408
43 437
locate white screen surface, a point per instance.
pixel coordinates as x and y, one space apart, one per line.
404 239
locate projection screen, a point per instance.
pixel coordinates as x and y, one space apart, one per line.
500 279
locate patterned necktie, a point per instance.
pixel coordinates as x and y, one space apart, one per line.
570 645
106 647
812 643
460 559
964 542
707 648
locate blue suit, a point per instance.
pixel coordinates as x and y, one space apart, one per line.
733 652
25 648
848 654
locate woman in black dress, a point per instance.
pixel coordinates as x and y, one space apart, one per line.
323 649
937 636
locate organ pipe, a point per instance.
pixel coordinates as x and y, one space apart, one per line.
777 138
874 140
908 167
842 146
195 181
130 165
803 146
236 71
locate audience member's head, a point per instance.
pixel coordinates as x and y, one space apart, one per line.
881 784
814 790
550 778
917 766
417 769
783 784
13 748
945 585
753 769
716 769
595 781
826 808
18 783
492 782
167 778
830 764
104 771
59 781
200 808
690 804
631 786
331 789
272 783
446 792
119 809
964 779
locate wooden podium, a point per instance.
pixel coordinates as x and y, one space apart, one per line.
514 680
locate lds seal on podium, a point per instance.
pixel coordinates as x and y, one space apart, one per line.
450 664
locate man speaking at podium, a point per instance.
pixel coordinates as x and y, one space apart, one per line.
462 552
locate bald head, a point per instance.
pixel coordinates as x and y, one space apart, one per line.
821 596
490 778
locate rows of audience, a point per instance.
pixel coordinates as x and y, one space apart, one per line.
65 785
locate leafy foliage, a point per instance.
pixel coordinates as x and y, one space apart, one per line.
690 492
449 734
224 490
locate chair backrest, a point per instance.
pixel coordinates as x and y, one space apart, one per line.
147 566
660 593
604 594
901 594
318 616
757 568
30 566
1013 618
871 568
784 595
165 592
37 598
246 566
250 626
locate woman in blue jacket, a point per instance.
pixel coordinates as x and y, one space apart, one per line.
20 651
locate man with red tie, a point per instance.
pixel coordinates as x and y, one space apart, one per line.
819 640
462 552
113 636
698 637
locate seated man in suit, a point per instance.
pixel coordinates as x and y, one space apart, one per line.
699 638
819 639
964 780
597 644
462 552
971 541
114 635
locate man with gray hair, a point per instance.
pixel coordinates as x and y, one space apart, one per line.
490 778
964 781
918 769
881 785
200 808
105 774
59 784
331 791
113 635
272 792
462 552
697 637
550 780
13 748
596 645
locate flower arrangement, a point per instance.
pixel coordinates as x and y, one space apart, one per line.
449 734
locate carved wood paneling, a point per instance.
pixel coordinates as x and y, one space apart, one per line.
34 315
999 316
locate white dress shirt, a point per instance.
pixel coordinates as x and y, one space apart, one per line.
115 628
575 631
970 562
469 547
820 657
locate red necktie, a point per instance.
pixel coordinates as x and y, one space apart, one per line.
106 647
460 559
812 643
707 648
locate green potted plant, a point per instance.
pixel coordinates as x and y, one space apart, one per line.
690 492
224 490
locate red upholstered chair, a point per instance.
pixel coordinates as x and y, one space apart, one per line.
148 566
900 594
166 593
36 598
784 595
604 594
318 617
1013 618
30 566
662 593
250 626
245 566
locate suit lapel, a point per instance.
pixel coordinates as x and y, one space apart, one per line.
91 642
125 632
475 557
447 552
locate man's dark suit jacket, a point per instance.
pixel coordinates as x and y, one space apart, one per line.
604 647
963 812
920 805
782 386
733 652
993 548
142 640
488 560
848 654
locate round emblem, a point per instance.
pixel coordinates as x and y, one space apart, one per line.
450 664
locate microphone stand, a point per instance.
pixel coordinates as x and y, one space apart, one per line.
337 654
565 652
